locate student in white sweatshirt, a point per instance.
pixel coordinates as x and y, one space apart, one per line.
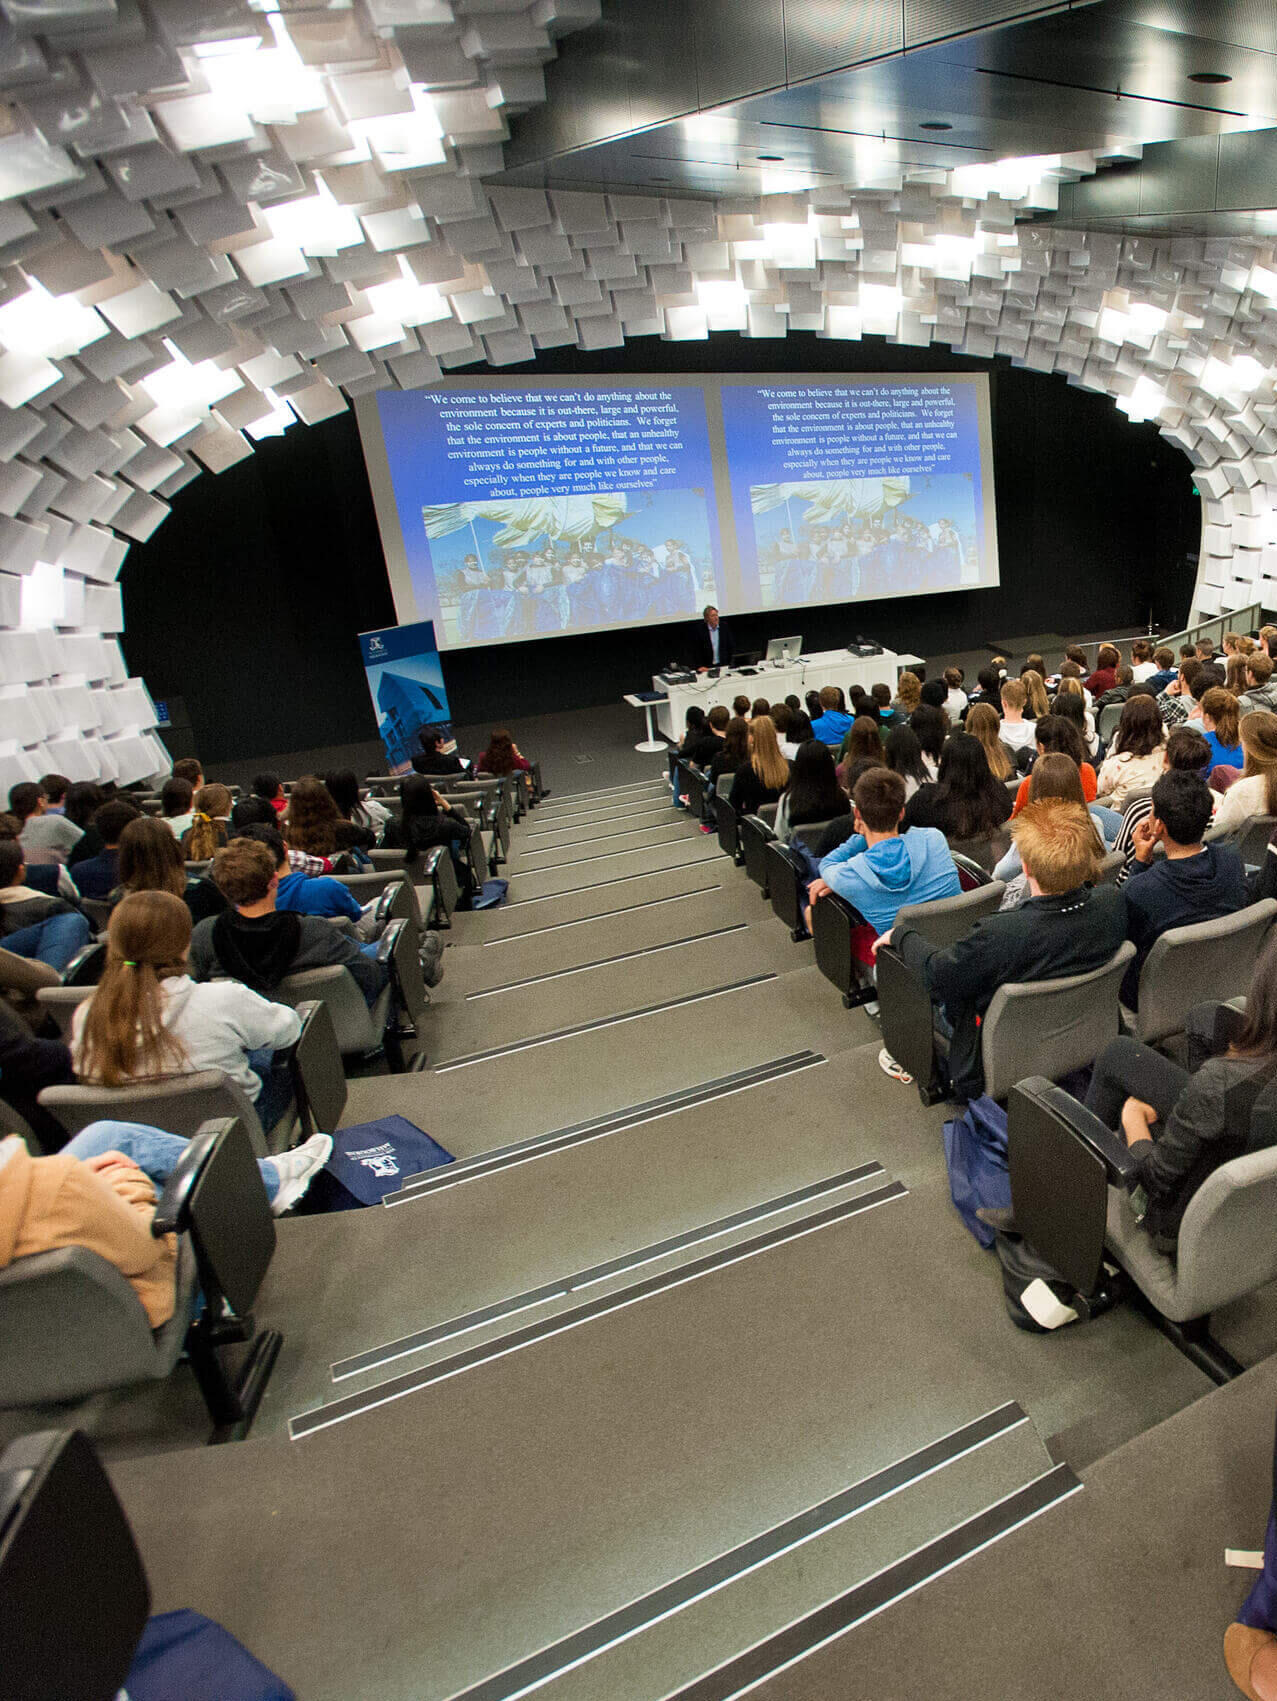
148 1018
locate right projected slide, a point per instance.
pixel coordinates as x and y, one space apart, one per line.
525 510
843 492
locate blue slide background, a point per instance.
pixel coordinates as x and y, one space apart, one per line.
585 442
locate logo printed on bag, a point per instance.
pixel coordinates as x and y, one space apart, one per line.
381 1160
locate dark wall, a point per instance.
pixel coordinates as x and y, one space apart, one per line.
247 600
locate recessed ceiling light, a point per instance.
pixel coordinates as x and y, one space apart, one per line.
1208 77
777 157
934 124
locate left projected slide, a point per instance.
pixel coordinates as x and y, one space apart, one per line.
529 513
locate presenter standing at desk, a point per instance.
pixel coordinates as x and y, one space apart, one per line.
714 647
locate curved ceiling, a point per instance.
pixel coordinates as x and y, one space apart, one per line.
217 219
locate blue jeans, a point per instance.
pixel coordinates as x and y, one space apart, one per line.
154 1152
277 1086
54 941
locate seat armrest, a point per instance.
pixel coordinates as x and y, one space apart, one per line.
840 903
1109 1147
386 944
172 1214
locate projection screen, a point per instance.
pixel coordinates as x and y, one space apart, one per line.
529 509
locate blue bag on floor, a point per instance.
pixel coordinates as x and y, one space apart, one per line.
489 895
975 1152
184 1656
369 1161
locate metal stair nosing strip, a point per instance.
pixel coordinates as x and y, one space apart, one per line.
583 801
659 813
579 1647
606 962
615 809
534 1040
404 1345
653 779
616 880
674 829
894 1583
605 915
597 1127
598 856
412 1382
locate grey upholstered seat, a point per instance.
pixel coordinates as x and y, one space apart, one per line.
358 1028
1107 719
1112 865
946 920
1205 960
1050 1027
62 1002
179 1104
1251 841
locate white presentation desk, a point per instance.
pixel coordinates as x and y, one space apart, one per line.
827 667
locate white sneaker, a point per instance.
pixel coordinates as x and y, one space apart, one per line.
889 1066
297 1169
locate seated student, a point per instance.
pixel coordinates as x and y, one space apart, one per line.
813 792
54 787
1192 882
1119 691
1059 733
760 706
100 1192
1137 754
1204 650
83 800
438 753
1143 665
310 820
935 694
832 722
1220 729
191 769
908 693
1174 1122
1068 926
1164 668
308 894
740 705
1104 678
1055 774
45 837
902 753
27 1066
33 924
965 802
955 701
270 790
147 1018
762 779
1261 687
982 722
931 727
880 706
1184 753
1177 701
177 805
704 740
427 820
988 688
502 756
362 820
1033 663
207 832
862 738
97 876
1037 704
879 869
1017 732
254 943
150 861
734 749
1255 793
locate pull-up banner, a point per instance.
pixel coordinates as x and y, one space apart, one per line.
405 682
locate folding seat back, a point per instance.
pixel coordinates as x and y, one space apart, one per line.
692 785
786 875
62 1002
1205 960
755 836
319 1081
356 1027
1051 1027
179 1104
811 832
1106 721
1252 842
1111 866
437 869
728 827
366 886
25 975
74 1598
85 968
837 929
985 853
98 911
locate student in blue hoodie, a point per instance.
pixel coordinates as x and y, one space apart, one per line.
308 894
880 869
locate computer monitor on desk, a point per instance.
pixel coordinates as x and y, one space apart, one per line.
784 649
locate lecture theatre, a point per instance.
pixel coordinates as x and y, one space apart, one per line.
638 850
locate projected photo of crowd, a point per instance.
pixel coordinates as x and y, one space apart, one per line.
530 567
833 540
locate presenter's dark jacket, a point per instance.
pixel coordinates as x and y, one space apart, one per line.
704 649
1046 938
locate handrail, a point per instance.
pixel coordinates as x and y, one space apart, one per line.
1247 619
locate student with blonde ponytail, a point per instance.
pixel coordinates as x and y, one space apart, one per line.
207 832
148 1018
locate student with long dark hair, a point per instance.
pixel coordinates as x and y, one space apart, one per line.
902 753
813 792
966 802
151 861
733 752
428 820
930 726
1137 756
